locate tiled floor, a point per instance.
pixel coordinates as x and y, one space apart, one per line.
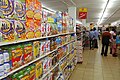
97 67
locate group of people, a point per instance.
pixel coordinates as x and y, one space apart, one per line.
108 38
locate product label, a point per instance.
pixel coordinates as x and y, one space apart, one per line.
6 57
1 59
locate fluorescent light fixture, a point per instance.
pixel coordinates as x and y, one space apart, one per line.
48 9
77 21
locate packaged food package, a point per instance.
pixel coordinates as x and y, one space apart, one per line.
1 57
37 10
30 9
7 9
43 29
23 75
48 29
16 52
28 52
36 49
37 30
45 65
47 46
30 28
32 75
7 67
20 30
19 9
1 70
7 30
42 48
39 69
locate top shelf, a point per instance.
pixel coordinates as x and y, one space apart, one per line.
34 39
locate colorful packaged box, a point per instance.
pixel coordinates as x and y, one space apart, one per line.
7 30
28 52
39 70
45 65
32 75
43 30
19 9
36 49
20 30
48 29
30 9
47 46
17 56
37 30
42 48
30 28
7 9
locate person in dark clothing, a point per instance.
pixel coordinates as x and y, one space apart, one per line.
91 36
106 36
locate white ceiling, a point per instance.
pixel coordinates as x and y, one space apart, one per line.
95 8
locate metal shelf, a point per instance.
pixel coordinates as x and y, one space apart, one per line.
34 39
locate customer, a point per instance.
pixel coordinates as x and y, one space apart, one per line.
91 36
96 38
106 36
114 47
112 32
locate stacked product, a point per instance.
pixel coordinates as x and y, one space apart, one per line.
32 41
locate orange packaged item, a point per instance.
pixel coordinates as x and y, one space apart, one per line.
28 54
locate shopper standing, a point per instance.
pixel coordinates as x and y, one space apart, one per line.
112 32
96 38
106 36
91 36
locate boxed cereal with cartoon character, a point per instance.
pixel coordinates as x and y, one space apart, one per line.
36 49
19 9
20 30
7 30
7 9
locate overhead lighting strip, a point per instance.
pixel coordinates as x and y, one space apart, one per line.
102 17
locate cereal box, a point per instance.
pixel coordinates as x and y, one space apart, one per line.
42 48
7 30
43 31
48 29
36 49
39 70
47 46
28 54
7 9
30 9
20 30
17 56
37 30
20 9
30 28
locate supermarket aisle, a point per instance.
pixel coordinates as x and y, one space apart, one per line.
96 67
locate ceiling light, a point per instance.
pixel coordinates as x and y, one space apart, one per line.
48 9
77 21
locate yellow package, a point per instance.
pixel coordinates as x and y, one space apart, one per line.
39 70
36 49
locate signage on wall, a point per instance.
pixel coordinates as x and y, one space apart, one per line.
82 13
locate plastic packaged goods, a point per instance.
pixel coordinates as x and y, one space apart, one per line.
1 57
19 9
20 30
7 30
7 9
